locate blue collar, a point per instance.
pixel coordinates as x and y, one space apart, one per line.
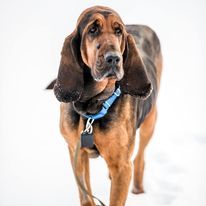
106 105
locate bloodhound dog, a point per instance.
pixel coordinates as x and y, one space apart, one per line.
99 56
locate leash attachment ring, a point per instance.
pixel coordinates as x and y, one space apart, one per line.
87 139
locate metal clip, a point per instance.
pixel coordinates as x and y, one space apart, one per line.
89 128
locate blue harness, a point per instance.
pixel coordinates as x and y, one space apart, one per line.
105 106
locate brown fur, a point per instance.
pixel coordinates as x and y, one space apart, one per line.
81 91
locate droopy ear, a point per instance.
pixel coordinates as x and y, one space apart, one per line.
51 84
69 84
135 81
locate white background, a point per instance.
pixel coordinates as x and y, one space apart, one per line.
34 162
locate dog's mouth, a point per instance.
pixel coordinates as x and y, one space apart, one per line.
112 75
108 72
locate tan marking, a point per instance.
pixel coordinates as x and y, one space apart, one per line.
89 51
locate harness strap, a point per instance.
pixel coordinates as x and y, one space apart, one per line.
105 106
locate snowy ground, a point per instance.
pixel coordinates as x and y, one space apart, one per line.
34 162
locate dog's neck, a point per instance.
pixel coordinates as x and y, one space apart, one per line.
94 94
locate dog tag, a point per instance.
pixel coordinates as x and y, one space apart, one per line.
87 140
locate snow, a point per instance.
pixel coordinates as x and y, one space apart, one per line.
34 160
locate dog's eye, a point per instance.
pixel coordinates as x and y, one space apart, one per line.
118 31
93 30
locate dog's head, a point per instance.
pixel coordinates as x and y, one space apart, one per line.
101 45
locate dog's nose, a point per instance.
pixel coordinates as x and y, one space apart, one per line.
112 59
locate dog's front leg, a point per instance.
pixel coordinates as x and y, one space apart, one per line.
116 147
120 173
82 172
120 170
71 135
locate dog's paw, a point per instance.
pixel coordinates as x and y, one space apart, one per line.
137 191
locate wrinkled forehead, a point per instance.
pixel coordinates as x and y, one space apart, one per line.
94 13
